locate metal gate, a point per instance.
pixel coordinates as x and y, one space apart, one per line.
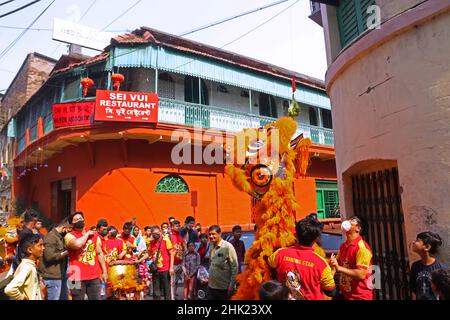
377 200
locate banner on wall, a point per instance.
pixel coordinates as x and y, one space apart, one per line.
124 106
73 114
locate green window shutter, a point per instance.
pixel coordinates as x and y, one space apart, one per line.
320 204
352 18
327 198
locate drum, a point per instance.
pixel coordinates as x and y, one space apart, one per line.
123 276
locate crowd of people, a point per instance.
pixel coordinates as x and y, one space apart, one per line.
72 262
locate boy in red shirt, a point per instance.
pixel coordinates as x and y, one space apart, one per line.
306 273
354 262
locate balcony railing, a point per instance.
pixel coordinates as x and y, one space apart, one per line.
190 114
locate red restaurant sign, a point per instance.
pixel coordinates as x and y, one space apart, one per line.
126 106
72 114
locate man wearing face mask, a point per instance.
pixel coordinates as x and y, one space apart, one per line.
162 253
86 260
53 263
129 240
102 229
354 263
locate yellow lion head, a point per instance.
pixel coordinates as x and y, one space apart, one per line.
258 155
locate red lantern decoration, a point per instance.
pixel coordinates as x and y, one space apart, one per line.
86 83
117 79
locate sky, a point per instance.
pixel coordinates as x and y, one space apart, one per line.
290 40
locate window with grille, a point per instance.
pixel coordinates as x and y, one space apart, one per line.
166 86
326 118
267 106
327 199
313 117
191 90
172 184
352 18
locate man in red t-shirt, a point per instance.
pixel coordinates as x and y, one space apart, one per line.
102 229
305 273
162 253
354 262
129 240
86 260
114 248
179 248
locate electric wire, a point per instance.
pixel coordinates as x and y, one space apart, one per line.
20 8
6 2
13 43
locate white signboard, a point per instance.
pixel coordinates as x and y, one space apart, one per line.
69 32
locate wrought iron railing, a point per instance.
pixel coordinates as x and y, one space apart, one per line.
191 114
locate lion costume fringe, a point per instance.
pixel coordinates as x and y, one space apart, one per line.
268 177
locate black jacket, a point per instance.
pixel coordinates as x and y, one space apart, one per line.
52 265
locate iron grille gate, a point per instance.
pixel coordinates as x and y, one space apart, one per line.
377 200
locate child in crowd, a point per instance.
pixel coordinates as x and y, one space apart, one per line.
440 284
25 284
426 246
273 290
191 263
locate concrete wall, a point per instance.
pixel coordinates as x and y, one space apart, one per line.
29 79
392 106
331 32
391 8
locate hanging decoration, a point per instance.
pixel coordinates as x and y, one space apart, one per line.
86 83
294 108
117 79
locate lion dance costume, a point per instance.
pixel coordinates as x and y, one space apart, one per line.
267 174
8 242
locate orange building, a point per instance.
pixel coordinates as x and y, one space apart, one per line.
119 169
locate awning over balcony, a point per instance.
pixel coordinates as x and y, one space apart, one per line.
177 62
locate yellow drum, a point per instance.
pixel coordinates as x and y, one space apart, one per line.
123 276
